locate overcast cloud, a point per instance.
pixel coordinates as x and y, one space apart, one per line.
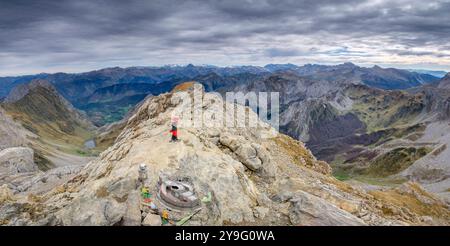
81 35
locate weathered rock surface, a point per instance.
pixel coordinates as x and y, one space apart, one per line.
133 212
307 209
101 211
12 134
152 220
17 160
445 82
5 194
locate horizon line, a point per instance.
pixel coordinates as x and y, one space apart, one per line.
82 71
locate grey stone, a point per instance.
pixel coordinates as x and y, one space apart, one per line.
17 160
310 210
152 220
132 216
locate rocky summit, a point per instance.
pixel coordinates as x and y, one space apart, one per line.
445 82
210 176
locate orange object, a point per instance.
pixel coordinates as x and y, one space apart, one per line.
165 214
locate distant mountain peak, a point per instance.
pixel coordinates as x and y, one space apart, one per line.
277 67
349 64
22 90
445 82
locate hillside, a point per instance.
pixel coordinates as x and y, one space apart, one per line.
240 176
377 136
59 128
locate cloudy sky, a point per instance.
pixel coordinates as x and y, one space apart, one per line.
81 35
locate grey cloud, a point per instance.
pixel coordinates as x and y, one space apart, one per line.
277 52
67 32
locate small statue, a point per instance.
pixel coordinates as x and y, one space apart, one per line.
143 176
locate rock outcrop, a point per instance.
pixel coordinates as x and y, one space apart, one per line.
242 176
12 134
17 160
445 82
307 209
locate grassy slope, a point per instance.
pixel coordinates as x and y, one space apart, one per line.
391 114
43 112
380 110
395 161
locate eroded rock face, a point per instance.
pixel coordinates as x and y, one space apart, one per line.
132 216
310 210
17 160
5 194
249 179
97 212
12 133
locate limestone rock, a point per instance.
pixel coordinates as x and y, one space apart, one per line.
40 182
98 212
229 141
260 212
152 220
133 213
248 156
12 134
310 210
5 194
17 160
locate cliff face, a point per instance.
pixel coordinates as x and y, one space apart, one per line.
445 82
12 134
231 176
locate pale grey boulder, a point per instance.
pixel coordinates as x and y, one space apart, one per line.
152 220
248 156
93 212
133 212
310 210
17 160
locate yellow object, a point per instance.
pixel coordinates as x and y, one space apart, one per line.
165 214
145 190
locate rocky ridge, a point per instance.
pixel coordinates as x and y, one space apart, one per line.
445 82
252 180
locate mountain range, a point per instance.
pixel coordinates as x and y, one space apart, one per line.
373 146
439 74
91 91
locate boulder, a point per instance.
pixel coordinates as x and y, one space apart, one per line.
17 160
95 212
231 142
133 213
248 156
309 210
260 212
252 155
152 220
